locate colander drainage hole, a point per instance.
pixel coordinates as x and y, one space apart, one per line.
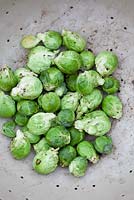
8 40
21 29
75 188
21 177
130 171
93 186
57 186
9 190
7 12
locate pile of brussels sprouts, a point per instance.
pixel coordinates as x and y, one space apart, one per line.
63 94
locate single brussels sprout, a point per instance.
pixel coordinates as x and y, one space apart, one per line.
32 138
86 149
40 59
76 136
61 90
7 106
103 144
78 166
87 81
42 145
7 79
112 106
111 85
20 146
66 155
70 101
71 82
8 129
89 102
40 123
50 102
68 62
95 123
28 88
45 162
29 41
27 107
51 39
20 119
73 41
106 63
51 78
23 72
88 59
58 136
66 117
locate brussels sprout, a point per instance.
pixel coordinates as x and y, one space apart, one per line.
42 145
20 146
58 136
87 81
40 59
103 144
27 107
111 85
45 162
20 119
51 39
7 105
76 136
73 41
31 137
61 90
8 129
89 102
7 79
23 72
86 149
29 41
112 106
88 59
71 82
106 63
50 102
68 62
40 123
95 123
70 101
78 166
28 88
66 117
66 155
51 78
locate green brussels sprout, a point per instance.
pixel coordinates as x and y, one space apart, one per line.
40 59
50 102
78 166
89 102
71 82
20 146
31 137
66 117
29 41
28 88
20 119
70 101
61 90
73 41
51 78
68 62
86 149
27 107
7 79
111 85
58 136
42 145
88 59
87 81
45 162
112 106
7 105
76 136
40 123
95 123
106 63
23 72
66 155
51 39
8 129
103 144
